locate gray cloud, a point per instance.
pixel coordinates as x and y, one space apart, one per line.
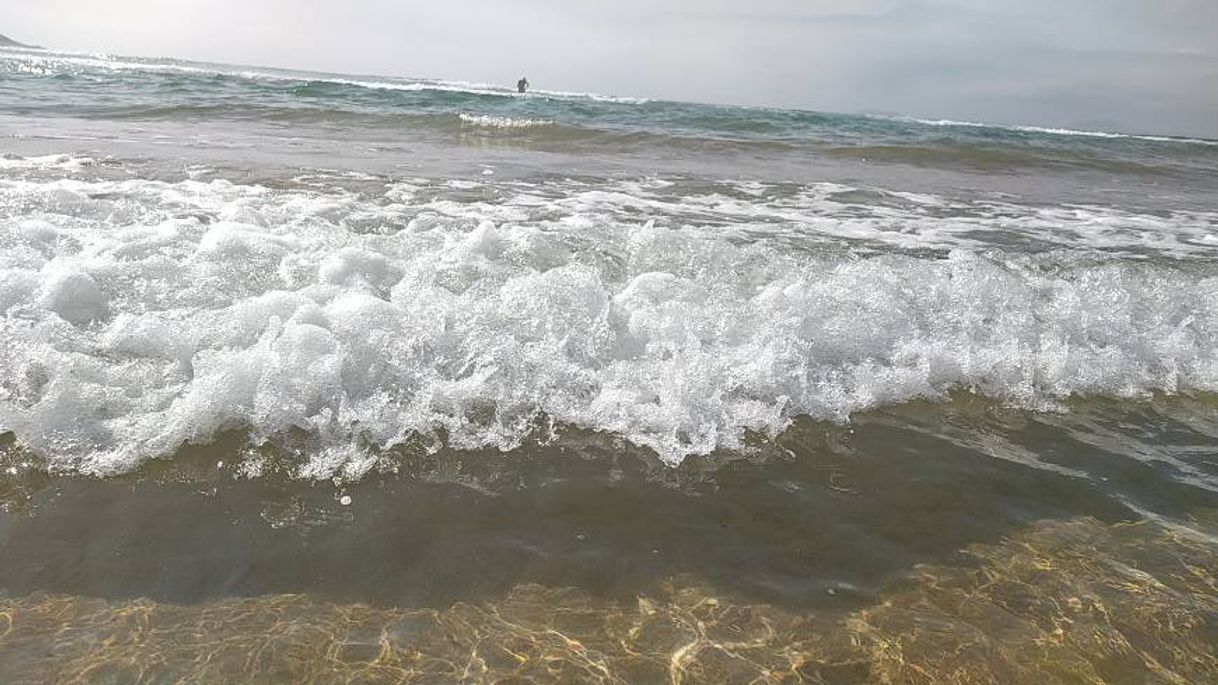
1135 65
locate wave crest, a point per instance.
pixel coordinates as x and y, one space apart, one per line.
501 122
141 315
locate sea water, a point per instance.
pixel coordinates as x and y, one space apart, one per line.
327 376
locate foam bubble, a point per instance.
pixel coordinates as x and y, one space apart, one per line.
16 286
73 295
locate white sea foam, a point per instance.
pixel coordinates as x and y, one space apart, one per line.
1058 131
498 122
139 315
60 162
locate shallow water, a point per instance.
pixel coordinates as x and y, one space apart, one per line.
317 378
930 543
1056 604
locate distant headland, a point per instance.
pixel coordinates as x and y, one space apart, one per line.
6 42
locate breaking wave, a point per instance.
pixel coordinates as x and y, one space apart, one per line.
140 315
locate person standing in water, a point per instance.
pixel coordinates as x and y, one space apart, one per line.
522 85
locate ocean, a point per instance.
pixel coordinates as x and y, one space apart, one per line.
322 378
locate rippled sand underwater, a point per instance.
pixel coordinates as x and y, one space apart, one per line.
1060 602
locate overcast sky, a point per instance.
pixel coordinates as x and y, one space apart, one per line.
1136 65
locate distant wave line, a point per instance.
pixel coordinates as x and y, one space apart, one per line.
115 63
1047 130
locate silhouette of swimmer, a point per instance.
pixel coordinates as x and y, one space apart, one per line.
522 85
